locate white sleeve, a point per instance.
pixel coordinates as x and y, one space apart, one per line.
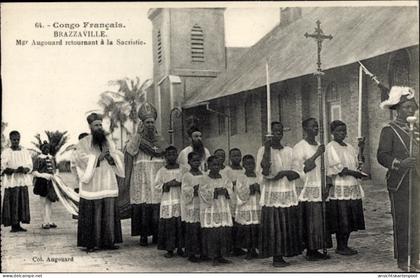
332 161
298 161
183 161
158 182
90 168
5 159
260 154
28 161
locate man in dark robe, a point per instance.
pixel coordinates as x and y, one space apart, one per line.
196 146
99 162
16 165
393 153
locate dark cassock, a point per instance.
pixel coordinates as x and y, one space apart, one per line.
143 158
190 208
280 232
345 208
306 162
393 153
99 164
16 165
168 181
196 146
215 216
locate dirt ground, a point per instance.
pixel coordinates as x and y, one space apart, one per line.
55 250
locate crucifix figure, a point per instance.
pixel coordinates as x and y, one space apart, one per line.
319 37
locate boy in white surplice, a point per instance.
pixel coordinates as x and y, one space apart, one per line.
280 233
16 165
248 209
307 162
345 206
190 207
168 181
215 215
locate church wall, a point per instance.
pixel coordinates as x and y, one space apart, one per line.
299 104
196 74
248 141
295 99
191 84
161 23
212 23
164 107
377 117
290 115
346 79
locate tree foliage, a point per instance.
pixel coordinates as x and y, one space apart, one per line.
57 139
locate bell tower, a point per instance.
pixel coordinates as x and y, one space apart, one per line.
188 52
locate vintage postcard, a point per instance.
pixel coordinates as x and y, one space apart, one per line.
210 137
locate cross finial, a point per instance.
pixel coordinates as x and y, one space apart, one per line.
319 37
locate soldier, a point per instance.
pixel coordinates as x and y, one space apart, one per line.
393 153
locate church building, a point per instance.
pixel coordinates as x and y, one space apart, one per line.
224 89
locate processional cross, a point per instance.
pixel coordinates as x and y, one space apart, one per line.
319 37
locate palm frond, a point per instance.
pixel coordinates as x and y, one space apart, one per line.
38 142
57 139
115 95
68 148
34 150
122 105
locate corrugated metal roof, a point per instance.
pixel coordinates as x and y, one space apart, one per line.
233 54
359 33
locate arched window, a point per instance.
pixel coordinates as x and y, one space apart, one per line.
333 102
159 47
332 105
197 44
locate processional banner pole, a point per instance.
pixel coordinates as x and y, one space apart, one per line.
267 150
319 37
411 121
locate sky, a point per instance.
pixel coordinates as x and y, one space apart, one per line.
52 87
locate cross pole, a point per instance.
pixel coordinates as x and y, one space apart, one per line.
319 37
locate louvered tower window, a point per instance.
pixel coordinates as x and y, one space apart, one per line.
197 44
159 47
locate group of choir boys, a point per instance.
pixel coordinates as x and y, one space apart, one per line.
209 211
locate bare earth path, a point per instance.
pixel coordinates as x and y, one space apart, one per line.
29 252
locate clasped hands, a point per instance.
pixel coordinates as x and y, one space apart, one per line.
19 170
288 174
347 172
195 187
310 163
254 188
106 155
219 191
167 185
